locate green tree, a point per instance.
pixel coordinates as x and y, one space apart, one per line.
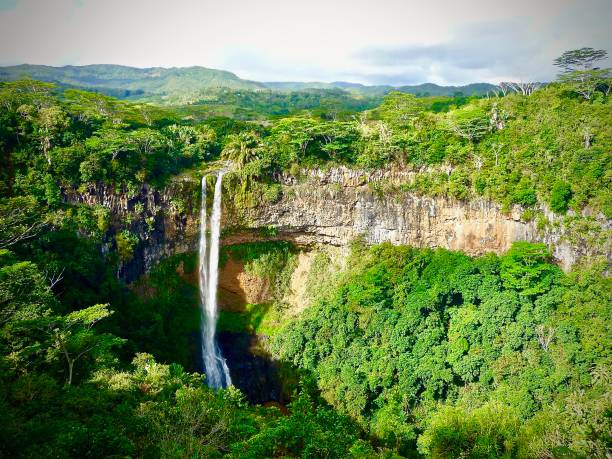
191 142
290 139
490 431
470 122
242 148
21 218
126 244
525 268
338 140
578 69
400 110
50 122
27 307
560 196
580 59
74 337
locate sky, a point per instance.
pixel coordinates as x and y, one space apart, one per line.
365 41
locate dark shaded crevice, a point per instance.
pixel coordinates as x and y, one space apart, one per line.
255 375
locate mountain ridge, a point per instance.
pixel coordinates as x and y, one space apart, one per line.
424 89
125 81
146 81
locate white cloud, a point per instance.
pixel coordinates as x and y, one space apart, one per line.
398 41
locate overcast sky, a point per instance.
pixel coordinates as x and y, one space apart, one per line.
366 41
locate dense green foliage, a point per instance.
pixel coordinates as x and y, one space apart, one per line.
67 387
484 357
261 104
80 137
550 147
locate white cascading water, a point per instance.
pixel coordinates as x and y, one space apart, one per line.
217 373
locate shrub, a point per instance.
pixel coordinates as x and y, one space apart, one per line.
458 185
524 194
559 197
126 243
490 431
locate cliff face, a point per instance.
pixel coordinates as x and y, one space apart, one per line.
165 221
335 207
339 205
327 211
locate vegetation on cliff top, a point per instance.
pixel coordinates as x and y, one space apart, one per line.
551 146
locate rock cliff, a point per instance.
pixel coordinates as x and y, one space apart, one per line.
335 207
340 204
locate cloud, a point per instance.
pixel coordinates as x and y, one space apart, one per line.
8 5
515 47
389 42
483 50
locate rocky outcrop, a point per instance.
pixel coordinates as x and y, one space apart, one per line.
339 205
312 213
237 287
164 221
335 207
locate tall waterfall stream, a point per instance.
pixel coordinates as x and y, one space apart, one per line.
217 373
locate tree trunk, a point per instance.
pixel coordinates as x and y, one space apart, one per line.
70 365
46 146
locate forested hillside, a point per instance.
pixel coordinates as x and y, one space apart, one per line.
174 82
136 81
436 352
422 90
399 351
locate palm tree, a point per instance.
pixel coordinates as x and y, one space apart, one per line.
242 148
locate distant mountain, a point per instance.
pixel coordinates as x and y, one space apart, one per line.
425 89
154 81
354 88
189 84
431 89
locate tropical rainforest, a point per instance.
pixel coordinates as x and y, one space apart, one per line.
400 351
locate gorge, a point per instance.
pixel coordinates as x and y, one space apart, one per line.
319 211
427 278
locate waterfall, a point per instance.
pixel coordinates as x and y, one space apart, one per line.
217 373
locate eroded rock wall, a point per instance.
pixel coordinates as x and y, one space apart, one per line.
323 214
331 207
339 205
165 221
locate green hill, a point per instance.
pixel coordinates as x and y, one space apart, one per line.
118 80
431 89
184 85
